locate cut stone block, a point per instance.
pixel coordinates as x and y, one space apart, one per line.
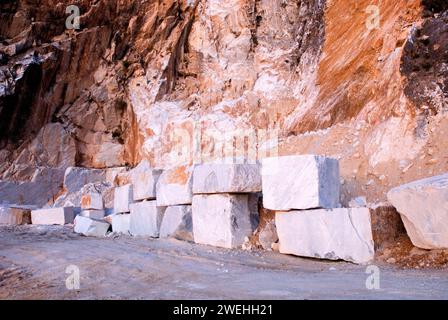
14 216
92 201
121 223
146 218
221 220
226 178
175 187
177 223
122 198
93 214
90 227
53 216
327 234
144 180
300 182
423 206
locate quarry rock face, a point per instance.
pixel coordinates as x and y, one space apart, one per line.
175 186
144 180
327 234
226 178
300 182
53 216
221 220
146 218
177 223
423 206
91 227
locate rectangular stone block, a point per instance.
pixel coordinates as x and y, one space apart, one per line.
122 198
121 223
177 223
423 206
327 234
144 180
221 220
146 218
175 187
300 182
14 216
92 201
226 178
53 216
90 227
93 214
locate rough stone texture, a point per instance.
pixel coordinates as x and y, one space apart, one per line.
93 214
175 186
177 223
75 178
121 223
226 178
146 218
327 234
221 220
144 181
387 225
300 182
123 198
268 235
92 201
423 206
90 227
10 215
53 216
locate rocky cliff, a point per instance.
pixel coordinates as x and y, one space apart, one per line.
365 81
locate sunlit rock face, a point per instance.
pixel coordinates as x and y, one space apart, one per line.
183 82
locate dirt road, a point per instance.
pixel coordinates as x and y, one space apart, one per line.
34 261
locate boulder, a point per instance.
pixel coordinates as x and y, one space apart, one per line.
423 206
175 186
177 223
92 201
123 196
146 218
121 223
53 216
327 234
221 220
93 214
13 216
144 180
226 178
300 182
90 227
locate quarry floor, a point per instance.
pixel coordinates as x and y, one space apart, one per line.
34 261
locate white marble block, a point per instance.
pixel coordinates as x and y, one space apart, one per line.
226 178
122 198
93 214
177 223
175 186
423 206
327 234
144 180
221 220
90 227
121 223
14 216
53 216
92 201
146 218
300 182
